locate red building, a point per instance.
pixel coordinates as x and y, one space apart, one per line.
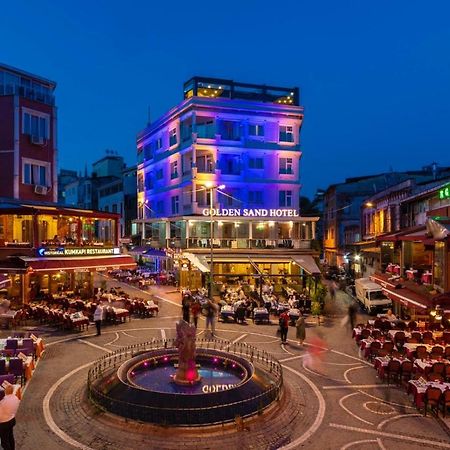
28 144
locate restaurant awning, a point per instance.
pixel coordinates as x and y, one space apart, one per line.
407 298
53 264
4 281
197 261
307 263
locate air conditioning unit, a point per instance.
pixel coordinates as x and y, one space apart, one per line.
41 190
38 140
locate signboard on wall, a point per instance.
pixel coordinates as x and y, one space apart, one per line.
77 251
260 212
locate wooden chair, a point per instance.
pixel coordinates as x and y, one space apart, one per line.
392 371
431 398
406 369
445 401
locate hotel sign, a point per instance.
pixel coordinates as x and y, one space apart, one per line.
444 192
77 251
252 212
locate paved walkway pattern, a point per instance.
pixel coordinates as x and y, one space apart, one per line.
332 399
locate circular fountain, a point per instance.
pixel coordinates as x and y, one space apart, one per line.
186 381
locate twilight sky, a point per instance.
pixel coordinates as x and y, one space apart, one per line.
374 76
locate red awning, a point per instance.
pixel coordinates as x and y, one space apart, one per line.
384 279
408 298
51 264
4 281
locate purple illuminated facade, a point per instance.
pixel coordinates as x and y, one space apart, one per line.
243 136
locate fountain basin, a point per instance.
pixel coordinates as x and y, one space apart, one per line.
141 388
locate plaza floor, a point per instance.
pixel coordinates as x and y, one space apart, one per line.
332 398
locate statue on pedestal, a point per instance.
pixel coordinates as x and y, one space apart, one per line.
185 342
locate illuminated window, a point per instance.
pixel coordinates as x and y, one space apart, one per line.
285 166
286 133
174 170
173 137
256 130
285 198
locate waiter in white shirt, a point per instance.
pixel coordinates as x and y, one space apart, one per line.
9 404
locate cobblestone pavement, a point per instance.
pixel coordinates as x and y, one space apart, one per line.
332 398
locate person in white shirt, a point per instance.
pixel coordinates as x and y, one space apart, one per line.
9 404
98 315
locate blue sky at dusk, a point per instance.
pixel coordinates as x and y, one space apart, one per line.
374 76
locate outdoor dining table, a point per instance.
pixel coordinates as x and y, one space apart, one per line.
419 387
411 347
392 333
424 364
28 366
381 362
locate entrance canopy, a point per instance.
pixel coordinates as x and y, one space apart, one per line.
4 281
307 263
197 262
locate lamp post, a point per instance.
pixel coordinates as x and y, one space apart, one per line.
211 188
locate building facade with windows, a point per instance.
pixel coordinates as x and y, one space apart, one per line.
28 141
245 137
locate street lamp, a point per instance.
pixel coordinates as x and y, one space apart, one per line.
209 185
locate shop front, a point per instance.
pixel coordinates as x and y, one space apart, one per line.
49 249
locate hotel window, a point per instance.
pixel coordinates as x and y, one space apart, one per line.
172 137
285 198
158 143
140 182
286 133
285 166
149 181
35 173
114 207
256 163
159 174
230 130
35 124
256 130
255 197
175 204
148 152
174 170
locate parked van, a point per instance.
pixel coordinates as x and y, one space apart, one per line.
370 295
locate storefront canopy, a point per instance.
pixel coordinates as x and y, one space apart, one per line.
408 298
53 264
197 261
307 263
4 281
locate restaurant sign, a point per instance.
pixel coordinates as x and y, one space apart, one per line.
251 212
77 251
444 192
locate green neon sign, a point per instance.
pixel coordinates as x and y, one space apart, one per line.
444 192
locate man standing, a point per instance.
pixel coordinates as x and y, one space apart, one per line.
211 309
284 326
9 404
98 314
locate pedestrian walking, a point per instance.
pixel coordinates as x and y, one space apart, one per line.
300 325
284 326
332 288
185 307
352 309
9 403
195 311
98 314
211 310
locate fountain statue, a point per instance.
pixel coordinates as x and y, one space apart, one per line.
185 342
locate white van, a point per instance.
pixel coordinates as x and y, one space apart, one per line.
370 295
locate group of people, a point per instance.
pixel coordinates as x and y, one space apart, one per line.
191 307
300 327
